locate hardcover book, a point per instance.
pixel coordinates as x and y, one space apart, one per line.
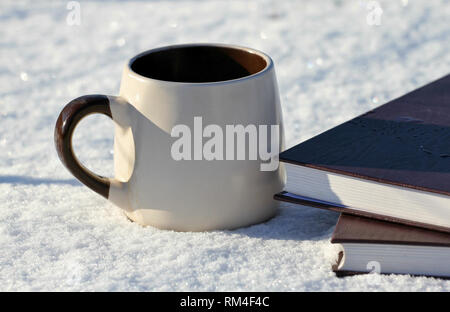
391 163
369 245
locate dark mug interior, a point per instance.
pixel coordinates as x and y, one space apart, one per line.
197 64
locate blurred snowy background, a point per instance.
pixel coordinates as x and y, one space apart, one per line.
333 62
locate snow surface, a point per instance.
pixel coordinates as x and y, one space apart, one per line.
56 234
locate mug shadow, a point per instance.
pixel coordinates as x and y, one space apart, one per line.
28 180
294 222
298 221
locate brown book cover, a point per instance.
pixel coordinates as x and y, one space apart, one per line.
360 230
405 142
353 229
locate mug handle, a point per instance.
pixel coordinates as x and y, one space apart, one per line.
67 121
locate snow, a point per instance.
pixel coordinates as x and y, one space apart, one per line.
56 234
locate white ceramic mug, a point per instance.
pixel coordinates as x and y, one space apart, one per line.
170 86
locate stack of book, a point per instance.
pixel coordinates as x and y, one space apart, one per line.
388 173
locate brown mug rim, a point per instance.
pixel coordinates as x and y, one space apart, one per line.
268 60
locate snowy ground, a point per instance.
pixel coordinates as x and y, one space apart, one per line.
56 234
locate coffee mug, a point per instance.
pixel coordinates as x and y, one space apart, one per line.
161 178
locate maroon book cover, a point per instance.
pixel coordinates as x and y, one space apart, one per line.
404 142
